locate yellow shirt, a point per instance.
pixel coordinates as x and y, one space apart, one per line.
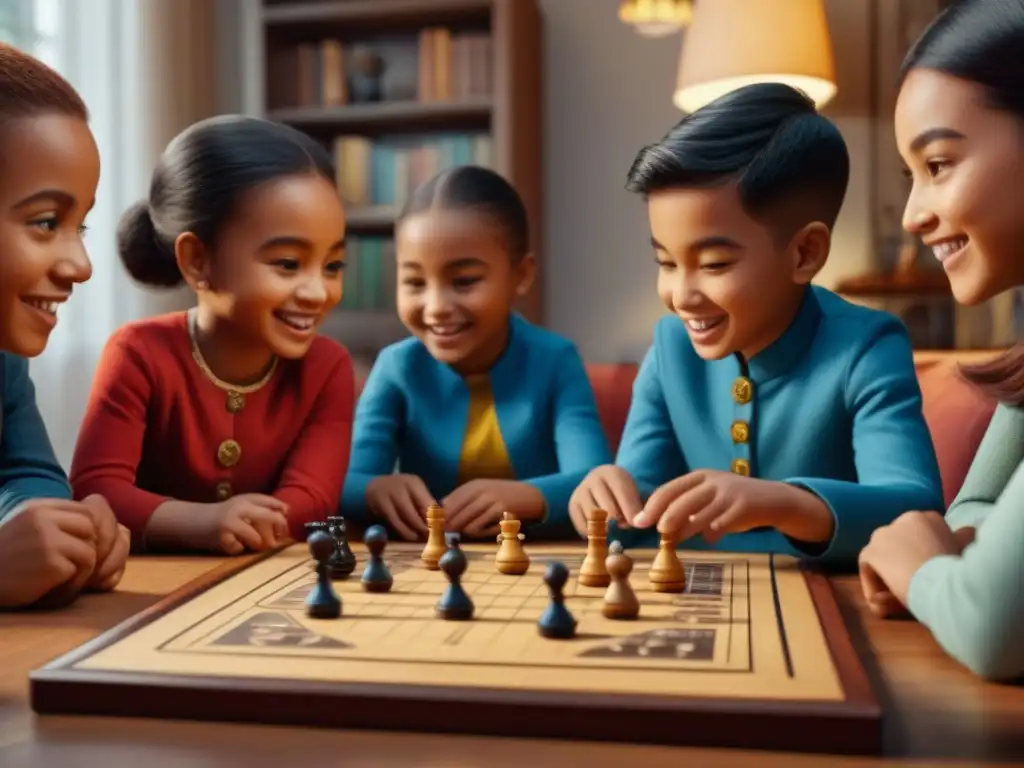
484 455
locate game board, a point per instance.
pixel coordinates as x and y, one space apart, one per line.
753 654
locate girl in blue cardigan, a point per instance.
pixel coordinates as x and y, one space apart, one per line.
479 410
50 547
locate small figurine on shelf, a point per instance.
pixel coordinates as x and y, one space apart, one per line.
365 84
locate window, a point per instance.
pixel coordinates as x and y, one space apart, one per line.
32 25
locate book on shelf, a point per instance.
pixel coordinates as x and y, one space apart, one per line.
369 282
384 171
436 65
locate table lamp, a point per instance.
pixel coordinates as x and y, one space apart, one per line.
732 43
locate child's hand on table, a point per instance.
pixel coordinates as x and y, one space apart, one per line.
475 508
895 553
113 543
249 521
609 488
402 500
47 550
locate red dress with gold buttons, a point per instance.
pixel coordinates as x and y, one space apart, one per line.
157 428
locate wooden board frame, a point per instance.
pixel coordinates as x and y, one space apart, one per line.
852 726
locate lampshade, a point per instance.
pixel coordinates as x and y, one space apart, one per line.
732 43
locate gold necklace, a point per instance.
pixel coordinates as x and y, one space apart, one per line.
235 399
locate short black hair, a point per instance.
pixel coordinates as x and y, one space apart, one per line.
198 182
767 138
980 41
472 187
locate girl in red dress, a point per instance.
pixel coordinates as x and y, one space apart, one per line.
227 427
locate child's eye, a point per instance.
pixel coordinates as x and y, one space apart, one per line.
412 283
716 265
289 264
466 282
46 223
936 166
663 264
335 266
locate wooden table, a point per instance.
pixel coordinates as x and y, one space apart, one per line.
937 710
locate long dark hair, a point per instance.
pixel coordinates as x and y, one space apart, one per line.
981 41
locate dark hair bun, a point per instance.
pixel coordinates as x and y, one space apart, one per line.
147 259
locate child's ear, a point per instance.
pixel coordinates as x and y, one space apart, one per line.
193 260
525 273
809 249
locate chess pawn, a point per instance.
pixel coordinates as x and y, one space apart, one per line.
455 603
620 601
322 602
435 547
556 623
511 558
666 574
592 571
376 576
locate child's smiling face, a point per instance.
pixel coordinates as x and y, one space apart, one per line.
49 171
457 285
728 277
966 162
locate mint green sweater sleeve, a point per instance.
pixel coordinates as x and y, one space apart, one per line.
974 604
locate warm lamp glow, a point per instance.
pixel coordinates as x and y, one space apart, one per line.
732 43
656 18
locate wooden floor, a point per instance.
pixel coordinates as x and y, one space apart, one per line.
939 713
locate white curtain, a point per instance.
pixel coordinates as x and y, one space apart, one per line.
146 69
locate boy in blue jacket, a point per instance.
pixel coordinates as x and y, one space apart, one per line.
769 415
480 410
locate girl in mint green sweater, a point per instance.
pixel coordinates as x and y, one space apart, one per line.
960 130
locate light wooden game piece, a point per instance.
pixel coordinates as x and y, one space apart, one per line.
593 572
435 547
667 574
511 558
620 601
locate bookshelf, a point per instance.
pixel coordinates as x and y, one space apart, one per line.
397 90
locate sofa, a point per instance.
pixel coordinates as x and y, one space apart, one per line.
956 412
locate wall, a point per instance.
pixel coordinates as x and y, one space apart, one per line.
609 93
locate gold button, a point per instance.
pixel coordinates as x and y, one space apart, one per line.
741 467
740 432
234 402
224 491
742 390
229 453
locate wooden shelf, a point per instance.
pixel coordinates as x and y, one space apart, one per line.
398 116
372 217
361 15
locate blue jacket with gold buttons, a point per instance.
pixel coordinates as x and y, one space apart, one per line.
832 406
28 467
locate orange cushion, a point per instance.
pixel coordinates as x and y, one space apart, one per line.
958 415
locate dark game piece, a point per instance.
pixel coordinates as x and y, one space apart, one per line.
556 623
455 604
322 602
376 576
343 559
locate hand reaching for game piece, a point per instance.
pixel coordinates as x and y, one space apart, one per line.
113 543
47 550
250 521
402 501
709 503
475 509
896 552
610 488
